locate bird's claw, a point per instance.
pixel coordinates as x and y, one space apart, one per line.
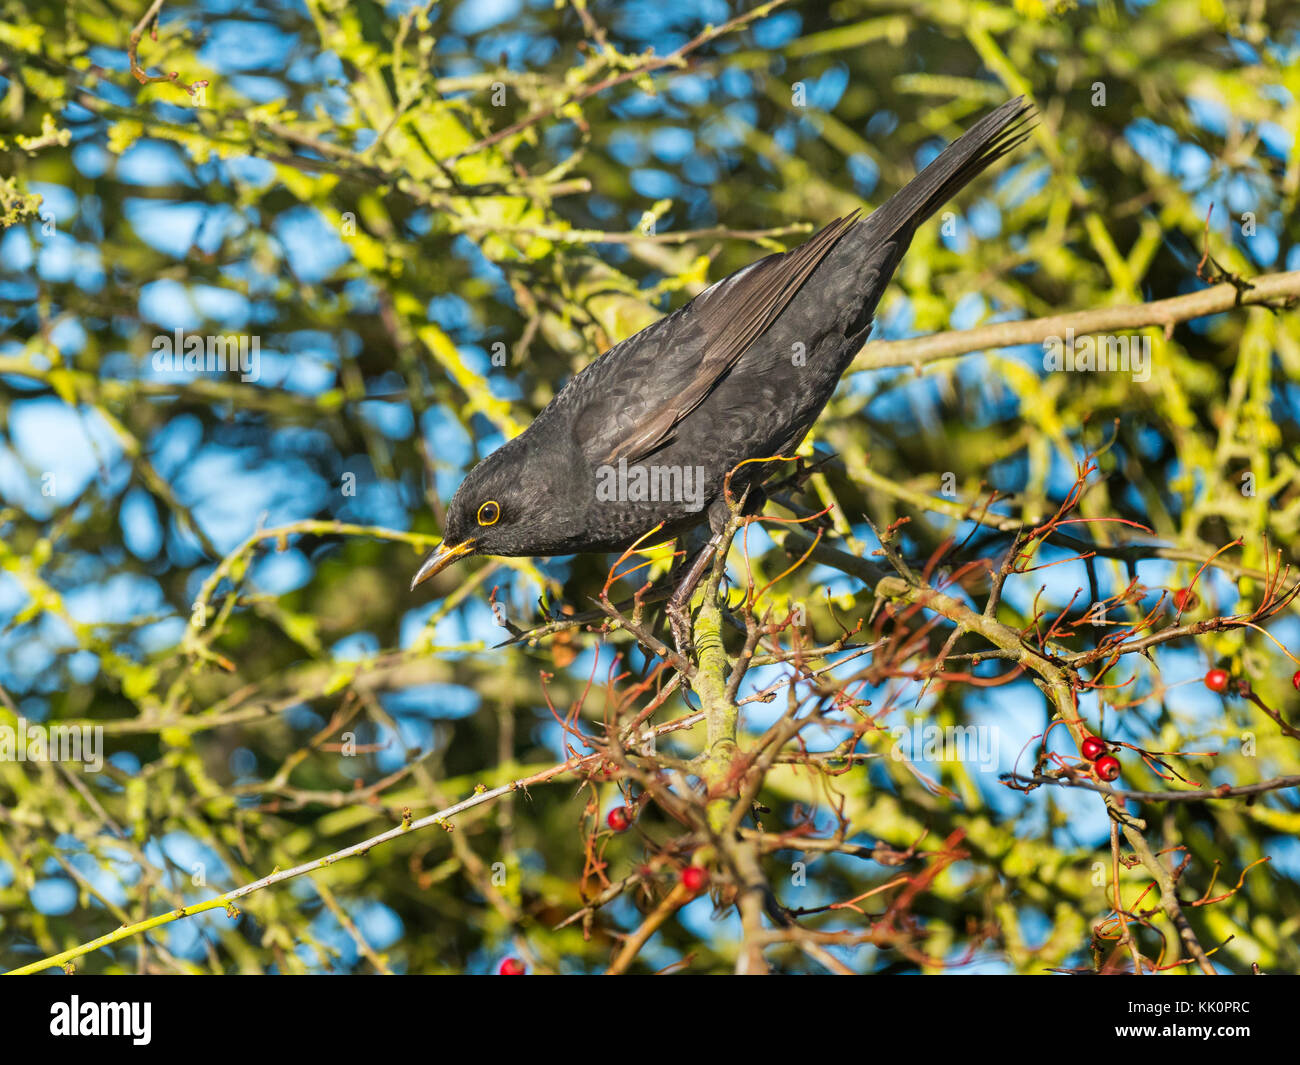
680 622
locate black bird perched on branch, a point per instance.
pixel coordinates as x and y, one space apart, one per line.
648 432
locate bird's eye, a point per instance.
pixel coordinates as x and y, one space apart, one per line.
489 512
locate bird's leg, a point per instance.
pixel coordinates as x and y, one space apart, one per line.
678 606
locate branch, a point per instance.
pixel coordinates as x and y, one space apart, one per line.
648 66
133 45
1277 291
1223 791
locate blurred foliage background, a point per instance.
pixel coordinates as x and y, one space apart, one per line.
339 187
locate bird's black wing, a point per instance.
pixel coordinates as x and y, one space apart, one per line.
729 317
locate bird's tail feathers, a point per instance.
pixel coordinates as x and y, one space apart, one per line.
996 134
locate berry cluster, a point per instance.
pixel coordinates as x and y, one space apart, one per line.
1104 765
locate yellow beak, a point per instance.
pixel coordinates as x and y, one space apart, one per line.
440 560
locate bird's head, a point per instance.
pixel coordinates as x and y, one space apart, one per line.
503 507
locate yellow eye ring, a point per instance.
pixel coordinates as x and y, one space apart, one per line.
489 513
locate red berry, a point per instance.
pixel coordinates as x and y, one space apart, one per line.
695 879
1107 767
513 967
1186 599
1093 748
1217 680
1295 680
619 819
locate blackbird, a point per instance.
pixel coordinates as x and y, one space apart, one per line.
647 433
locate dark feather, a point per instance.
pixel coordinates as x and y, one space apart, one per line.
732 314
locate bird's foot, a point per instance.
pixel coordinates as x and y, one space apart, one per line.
678 607
679 620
